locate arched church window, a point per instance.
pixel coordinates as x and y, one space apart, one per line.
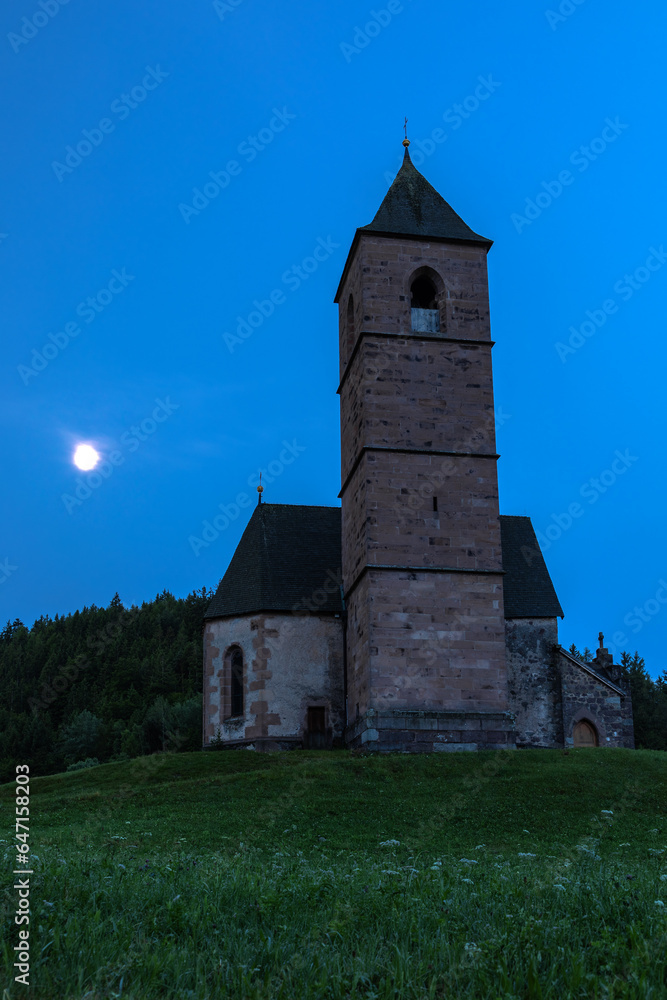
236 682
424 304
585 734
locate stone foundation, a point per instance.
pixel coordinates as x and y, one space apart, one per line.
408 731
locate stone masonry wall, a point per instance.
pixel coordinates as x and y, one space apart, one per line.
585 697
291 662
420 639
427 640
534 681
410 393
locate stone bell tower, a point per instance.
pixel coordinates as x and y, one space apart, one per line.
422 568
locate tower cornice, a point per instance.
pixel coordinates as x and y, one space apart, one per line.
437 338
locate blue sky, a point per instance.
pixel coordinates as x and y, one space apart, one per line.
137 284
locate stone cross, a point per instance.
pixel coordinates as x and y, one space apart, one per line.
601 638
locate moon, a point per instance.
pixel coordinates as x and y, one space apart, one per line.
85 457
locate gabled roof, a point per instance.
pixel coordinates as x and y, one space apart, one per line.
289 553
412 207
529 592
590 669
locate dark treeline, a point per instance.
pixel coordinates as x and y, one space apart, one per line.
113 683
649 699
102 684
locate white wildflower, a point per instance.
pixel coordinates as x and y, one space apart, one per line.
557 886
176 897
658 902
468 861
607 812
121 866
390 843
664 878
468 880
526 854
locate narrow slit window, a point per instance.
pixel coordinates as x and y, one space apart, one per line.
350 325
237 682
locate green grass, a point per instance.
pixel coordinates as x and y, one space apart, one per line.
233 874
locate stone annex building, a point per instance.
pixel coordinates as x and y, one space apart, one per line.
414 617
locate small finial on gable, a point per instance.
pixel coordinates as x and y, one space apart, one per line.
260 490
406 141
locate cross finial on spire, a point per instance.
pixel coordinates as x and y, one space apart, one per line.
406 141
601 638
260 490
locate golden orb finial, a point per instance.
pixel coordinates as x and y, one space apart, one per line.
260 489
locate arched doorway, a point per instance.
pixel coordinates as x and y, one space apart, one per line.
585 734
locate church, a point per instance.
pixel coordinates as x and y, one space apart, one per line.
414 617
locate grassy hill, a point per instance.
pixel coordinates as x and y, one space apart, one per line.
233 874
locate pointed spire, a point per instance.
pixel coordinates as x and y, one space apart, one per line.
412 207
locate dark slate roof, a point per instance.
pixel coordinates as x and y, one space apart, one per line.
412 207
529 592
287 554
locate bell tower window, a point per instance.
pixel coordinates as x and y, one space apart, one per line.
424 303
